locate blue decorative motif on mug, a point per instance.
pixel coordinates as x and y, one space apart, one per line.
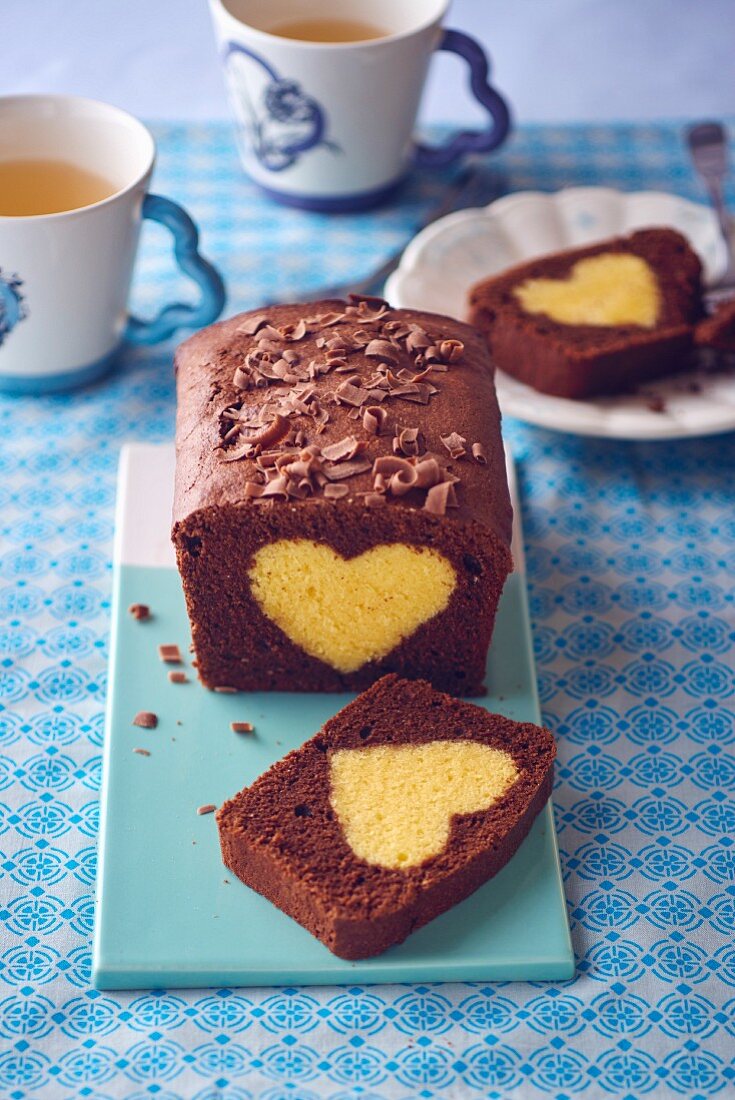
13 307
281 121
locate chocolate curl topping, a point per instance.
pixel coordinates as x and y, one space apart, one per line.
455 444
478 453
373 419
428 473
417 340
450 350
277 430
252 324
335 490
338 471
403 480
241 379
440 497
349 394
345 448
407 442
383 350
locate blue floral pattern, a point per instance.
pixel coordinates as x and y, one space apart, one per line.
630 553
281 122
13 307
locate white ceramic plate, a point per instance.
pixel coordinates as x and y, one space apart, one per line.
446 259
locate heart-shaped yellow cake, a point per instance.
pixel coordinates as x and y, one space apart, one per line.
395 803
614 288
348 611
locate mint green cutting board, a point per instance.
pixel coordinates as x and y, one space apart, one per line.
168 913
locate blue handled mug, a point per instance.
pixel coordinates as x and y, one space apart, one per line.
68 242
325 94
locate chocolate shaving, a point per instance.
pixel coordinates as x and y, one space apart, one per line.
428 473
371 499
337 471
178 677
383 350
417 340
373 419
349 394
252 489
241 379
142 752
171 654
440 497
146 719
407 442
345 448
209 808
419 392
335 491
278 428
224 690
140 611
450 350
242 727
455 444
478 453
298 332
252 324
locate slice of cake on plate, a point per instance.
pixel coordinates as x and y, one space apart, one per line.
594 320
341 505
405 803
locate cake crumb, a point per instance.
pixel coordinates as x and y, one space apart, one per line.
242 727
146 719
142 752
176 676
208 808
171 654
140 611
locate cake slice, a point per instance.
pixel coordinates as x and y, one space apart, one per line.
402 805
595 320
341 505
718 331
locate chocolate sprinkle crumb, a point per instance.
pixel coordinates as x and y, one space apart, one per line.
171 654
242 727
209 808
140 611
146 719
177 677
142 752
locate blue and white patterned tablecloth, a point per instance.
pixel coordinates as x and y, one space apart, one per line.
631 551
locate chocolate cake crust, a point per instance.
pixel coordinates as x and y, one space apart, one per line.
448 421
582 360
282 837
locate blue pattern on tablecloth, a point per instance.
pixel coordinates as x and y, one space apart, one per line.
631 549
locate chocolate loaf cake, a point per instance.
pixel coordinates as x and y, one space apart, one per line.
341 505
718 331
402 805
594 320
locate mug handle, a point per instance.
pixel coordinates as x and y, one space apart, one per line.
469 141
186 251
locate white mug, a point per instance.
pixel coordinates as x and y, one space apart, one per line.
65 277
329 126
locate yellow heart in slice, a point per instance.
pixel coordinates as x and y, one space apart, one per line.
347 611
395 803
614 288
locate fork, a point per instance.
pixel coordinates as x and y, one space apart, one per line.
707 142
471 187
